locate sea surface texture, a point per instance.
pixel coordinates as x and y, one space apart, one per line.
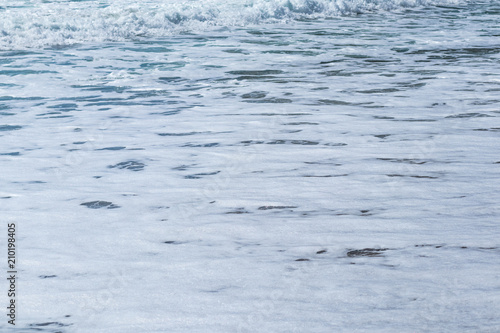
251 165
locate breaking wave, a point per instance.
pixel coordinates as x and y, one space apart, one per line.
41 23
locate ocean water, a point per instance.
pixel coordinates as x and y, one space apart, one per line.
252 166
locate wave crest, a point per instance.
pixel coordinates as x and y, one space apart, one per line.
40 23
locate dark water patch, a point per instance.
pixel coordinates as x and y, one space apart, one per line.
171 242
24 72
411 85
280 114
430 245
286 81
12 98
449 58
272 100
382 60
469 115
4 128
237 51
336 144
298 123
367 252
240 210
338 73
383 117
382 136
321 251
183 167
361 212
126 102
331 62
357 56
426 72
168 113
280 142
337 102
171 79
207 145
79 142
181 134
112 148
99 204
7 114
189 87
200 175
412 176
253 142
90 98
256 77
213 66
425 177
493 129
302 259
19 53
455 52
255 95
294 52
378 91
47 276
402 160
476 50
64 107
276 207
266 33
325 176
156 49
329 33
438 104
293 142
400 49
102 88
256 72
129 165
413 120
16 153
52 323
61 116
149 93
462 247
265 42
163 66
48 114
324 163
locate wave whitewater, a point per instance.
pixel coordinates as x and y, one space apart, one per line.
41 23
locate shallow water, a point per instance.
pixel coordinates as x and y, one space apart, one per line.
299 172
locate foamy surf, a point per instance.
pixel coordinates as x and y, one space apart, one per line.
40 23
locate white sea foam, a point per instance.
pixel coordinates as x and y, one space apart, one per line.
318 176
39 23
